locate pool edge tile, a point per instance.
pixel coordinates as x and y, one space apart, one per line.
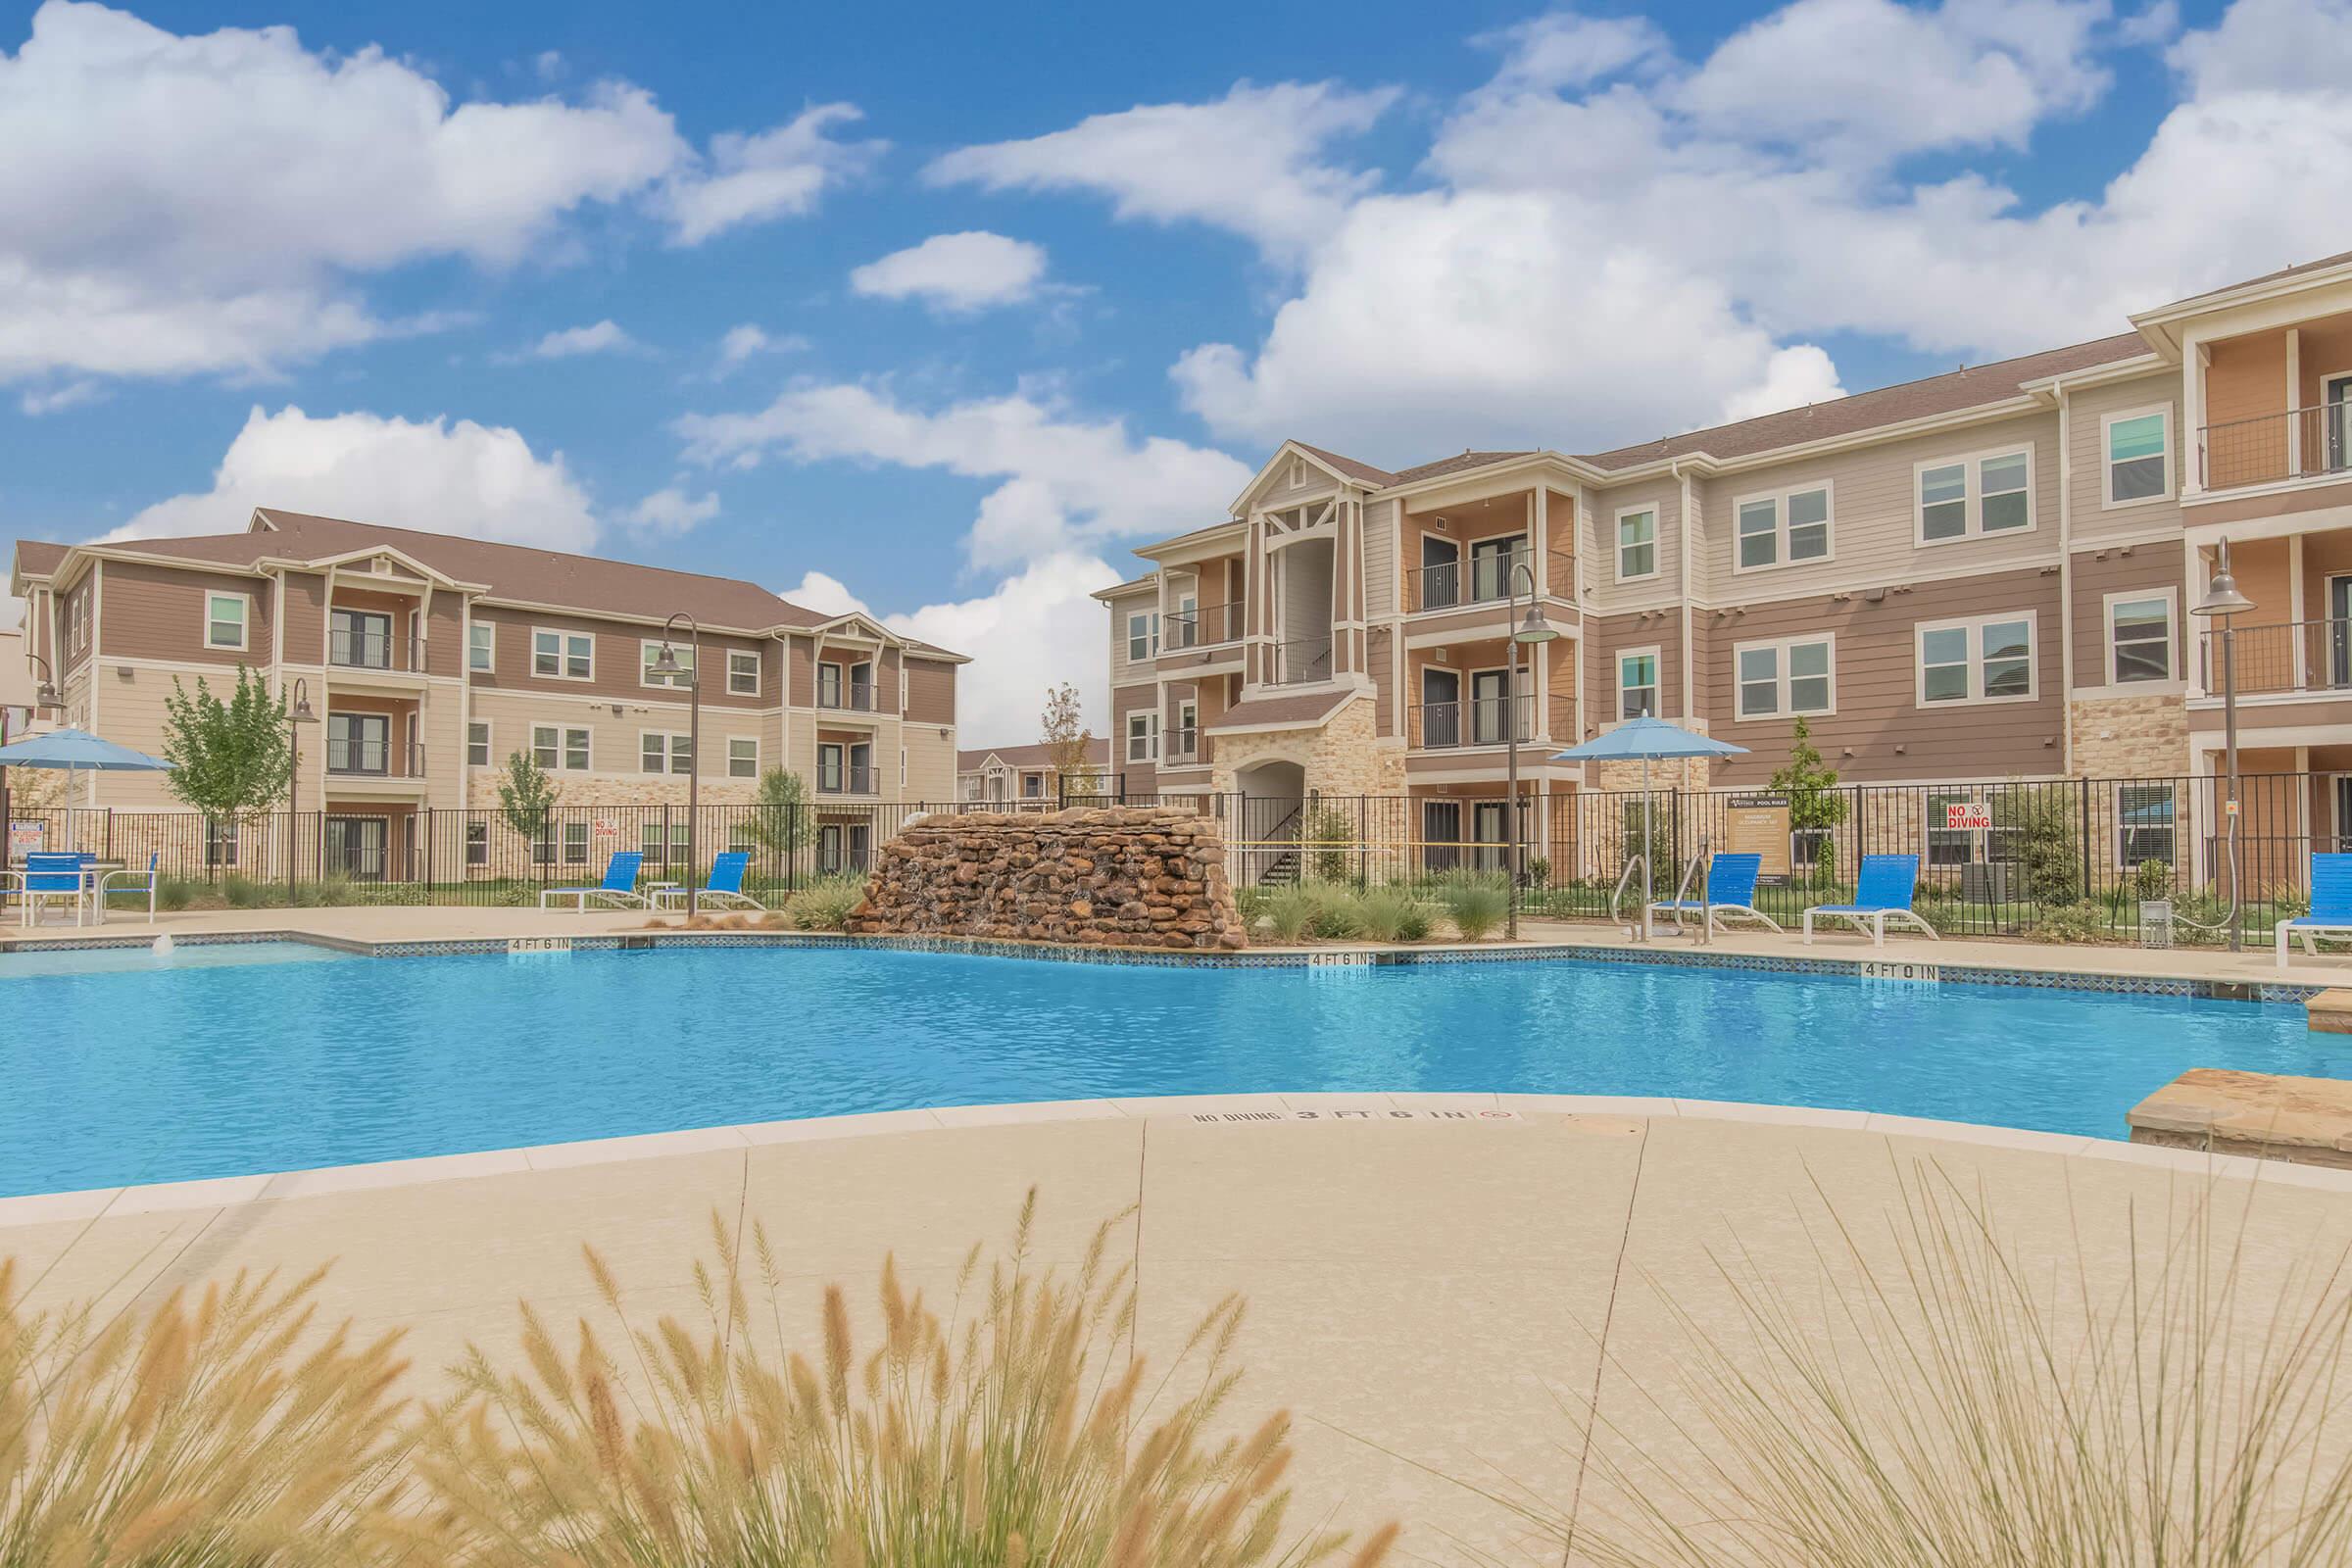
818 1129
1983 1135
1030 1110
1825 1117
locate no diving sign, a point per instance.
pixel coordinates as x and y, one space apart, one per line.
1368 1113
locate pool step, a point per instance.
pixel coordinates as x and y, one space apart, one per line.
2330 1011
2303 1121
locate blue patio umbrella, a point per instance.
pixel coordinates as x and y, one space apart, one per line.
1647 740
77 751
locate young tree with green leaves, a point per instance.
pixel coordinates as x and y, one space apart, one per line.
1814 800
232 758
1062 727
526 795
779 821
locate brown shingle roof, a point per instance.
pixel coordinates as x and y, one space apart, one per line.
1455 465
1350 465
2295 270
39 557
1036 755
1949 393
1311 707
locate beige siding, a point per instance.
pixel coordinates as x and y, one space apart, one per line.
1609 596
1381 585
615 739
1145 599
2091 517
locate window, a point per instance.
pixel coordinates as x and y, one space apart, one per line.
357 743
1796 675
1143 737
1989 493
1637 544
554 746
743 757
224 621
477 743
2139 637
662 752
743 673
1033 786
1949 846
1987 661
650 650
828 685
2140 464
477 844
563 655
481 646
660 844
2143 820
1783 529
1638 683
575 844
1142 635
219 841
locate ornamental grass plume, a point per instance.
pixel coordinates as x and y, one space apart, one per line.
195 1435
1935 1397
1016 1435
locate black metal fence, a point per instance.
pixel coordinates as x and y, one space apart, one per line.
2073 857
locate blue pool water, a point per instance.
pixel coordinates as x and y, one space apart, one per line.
206 1066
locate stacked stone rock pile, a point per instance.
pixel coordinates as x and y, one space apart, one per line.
1120 876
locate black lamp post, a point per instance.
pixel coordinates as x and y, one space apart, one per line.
665 664
296 716
2223 598
1534 631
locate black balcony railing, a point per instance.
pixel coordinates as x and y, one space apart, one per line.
1299 661
1450 585
847 781
1442 726
366 758
1207 626
374 650
1178 745
2294 444
852 699
2297 656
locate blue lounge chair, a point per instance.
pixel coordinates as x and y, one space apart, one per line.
619 884
1730 891
725 885
2330 907
1882 892
48 878
132 882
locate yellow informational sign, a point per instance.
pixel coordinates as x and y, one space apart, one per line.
1758 825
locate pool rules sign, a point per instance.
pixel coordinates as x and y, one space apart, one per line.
1759 825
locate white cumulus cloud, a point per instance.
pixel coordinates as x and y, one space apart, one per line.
956 274
776 173
671 511
601 337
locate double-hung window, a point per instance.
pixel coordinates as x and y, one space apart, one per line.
661 751
743 757
1783 529
2144 821
1142 635
743 673
477 743
1793 675
1637 544
562 655
2139 637
560 746
224 617
2139 455
649 652
1989 493
1638 683
477 844
1987 661
481 646
1143 737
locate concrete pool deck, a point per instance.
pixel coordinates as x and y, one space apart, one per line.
1427 1275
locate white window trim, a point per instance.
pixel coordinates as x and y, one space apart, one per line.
2172 637
1972 496
733 654
1617 543
669 752
1975 626
491 668
1151 635
1779 525
1657 653
1782 678
489 744
2171 459
563 652
692 662
1149 723
244 642
731 742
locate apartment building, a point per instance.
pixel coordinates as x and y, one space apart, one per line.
430 659
1981 575
1025 774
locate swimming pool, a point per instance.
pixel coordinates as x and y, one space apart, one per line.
211 1067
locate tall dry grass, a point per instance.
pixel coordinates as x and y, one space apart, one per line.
196 1433
1927 1395
1020 1434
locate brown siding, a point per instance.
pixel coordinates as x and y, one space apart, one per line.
1877 675
617 665
930 691
306 618
2325 348
2146 568
157 613
1608 634
2245 379
444 636
802 654
1125 700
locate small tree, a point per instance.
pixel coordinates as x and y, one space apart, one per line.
1814 801
1062 727
2041 822
1331 838
230 758
779 816
526 795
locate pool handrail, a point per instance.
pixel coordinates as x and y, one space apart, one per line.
619 884
1884 888
2330 908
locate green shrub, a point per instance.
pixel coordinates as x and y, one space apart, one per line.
1539 873
2152 879
1291 912
1250 903
1338 914
1477 905
334 891
241 892
1333 832
1392 914
176 892
2040 819
2070 923
824 906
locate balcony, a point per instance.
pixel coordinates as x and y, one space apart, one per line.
854 699
1300 661
374 650
1448 726
1450 585
2314 443
1207 626
848 781
2286 657
1180 744
374 758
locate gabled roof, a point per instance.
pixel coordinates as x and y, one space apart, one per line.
1347 467
1036 755
2280 275
1458 464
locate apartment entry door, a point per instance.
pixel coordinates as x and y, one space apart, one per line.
2335 419
2340 632
1441 707
1488 725
356 846
1440 572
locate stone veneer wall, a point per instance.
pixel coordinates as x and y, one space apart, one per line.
1345 756
1123 876
2130 736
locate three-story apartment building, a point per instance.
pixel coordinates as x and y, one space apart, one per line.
429 659
1981 575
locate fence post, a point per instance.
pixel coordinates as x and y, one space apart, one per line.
2083 813
109 832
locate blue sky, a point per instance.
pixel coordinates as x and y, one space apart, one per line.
950 305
